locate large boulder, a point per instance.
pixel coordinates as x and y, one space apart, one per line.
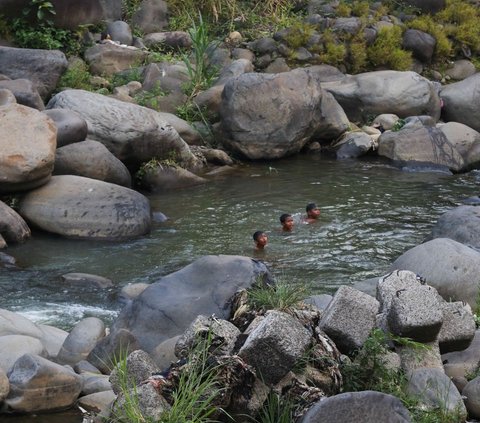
461 101
71 13
359 407
92 160
206 286
269 116
110 58
401 93
466 141
71 127
43 67
461 224
450 267
24 91
79 207
420 143
37 384
132 133
27 148
151 16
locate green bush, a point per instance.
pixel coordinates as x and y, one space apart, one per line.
299 34
386 50
77 76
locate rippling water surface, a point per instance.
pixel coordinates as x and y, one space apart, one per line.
371 213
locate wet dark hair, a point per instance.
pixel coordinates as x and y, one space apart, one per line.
310 206
284 216
257 234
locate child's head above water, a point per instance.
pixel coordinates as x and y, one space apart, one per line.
260 239
287 222
313 212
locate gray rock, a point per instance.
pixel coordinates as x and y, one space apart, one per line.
471 393
434 389
275 345
7 97
12 227
349 318
394 282
450 267
150 403
359 407
168 39
71 127
91 159
466 140
37 385
321 301
52 339
129 131
151 16
421 44
12 347
164 178
43 67
461 102
139 367
4 385
97 402
458 328
463 363
94 382
353 145
234 69
15 324
222 333
414 357
85 208
461 69
120 31
269 116
401 93
420 144
109 58
415 313
207 284
106 353
25 93
461 224
81 340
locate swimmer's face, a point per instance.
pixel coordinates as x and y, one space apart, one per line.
314 213
288 224
262 240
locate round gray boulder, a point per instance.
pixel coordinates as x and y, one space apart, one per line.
79 207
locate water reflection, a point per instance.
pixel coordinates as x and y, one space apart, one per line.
370 214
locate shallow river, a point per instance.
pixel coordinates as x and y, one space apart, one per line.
371 212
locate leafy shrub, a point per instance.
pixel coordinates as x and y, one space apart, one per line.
386 50
77 76
343 10
360 8
199 68
334 51
299 34
357 55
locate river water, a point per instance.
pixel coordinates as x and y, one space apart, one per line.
371 212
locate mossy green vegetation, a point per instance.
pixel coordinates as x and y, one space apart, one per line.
281 296
370 370
386 51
